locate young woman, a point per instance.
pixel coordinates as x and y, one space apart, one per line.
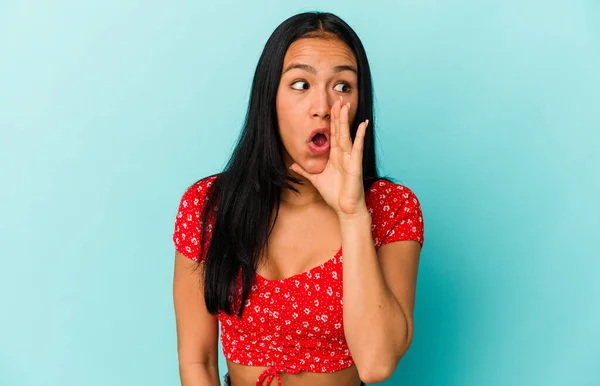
267 233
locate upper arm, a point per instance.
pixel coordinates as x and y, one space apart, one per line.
399 261
197 329
399 236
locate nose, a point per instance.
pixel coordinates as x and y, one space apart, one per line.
320 104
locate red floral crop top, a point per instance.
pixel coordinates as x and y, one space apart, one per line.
295 324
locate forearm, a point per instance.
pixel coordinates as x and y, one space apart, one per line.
375 325
199 374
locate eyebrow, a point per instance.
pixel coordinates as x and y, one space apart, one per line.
311 69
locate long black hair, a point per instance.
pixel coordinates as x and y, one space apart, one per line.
246 195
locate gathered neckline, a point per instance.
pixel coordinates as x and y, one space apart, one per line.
301 274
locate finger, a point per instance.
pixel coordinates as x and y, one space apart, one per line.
332 131
337 122
358 147
298 169
359 140
344 128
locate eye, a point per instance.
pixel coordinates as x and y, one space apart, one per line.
300 82
344 84
342 87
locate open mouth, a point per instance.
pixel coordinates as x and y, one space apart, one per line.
319 142
320 139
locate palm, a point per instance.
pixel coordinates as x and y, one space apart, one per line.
340 183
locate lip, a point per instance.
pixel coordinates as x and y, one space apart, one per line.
319 150
322 130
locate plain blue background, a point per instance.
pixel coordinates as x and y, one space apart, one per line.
488 110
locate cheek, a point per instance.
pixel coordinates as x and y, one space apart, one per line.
288 114
355 108
286 122
352 117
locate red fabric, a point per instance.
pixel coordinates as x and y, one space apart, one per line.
296 324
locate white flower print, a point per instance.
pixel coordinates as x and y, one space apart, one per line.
254 338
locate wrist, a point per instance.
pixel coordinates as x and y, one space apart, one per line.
357 216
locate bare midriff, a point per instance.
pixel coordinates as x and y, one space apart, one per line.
242 375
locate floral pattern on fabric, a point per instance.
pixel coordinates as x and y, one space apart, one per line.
296 324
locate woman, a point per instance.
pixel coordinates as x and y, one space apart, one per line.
266 232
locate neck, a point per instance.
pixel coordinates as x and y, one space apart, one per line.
307 194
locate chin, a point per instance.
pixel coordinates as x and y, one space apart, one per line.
315 166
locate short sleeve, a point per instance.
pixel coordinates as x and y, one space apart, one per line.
395 214
188 226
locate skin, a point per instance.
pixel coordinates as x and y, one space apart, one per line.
304 102
329 211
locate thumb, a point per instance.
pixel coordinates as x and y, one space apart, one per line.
298 169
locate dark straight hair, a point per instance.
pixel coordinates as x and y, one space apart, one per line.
246 195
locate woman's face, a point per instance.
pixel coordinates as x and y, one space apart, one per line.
316 72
